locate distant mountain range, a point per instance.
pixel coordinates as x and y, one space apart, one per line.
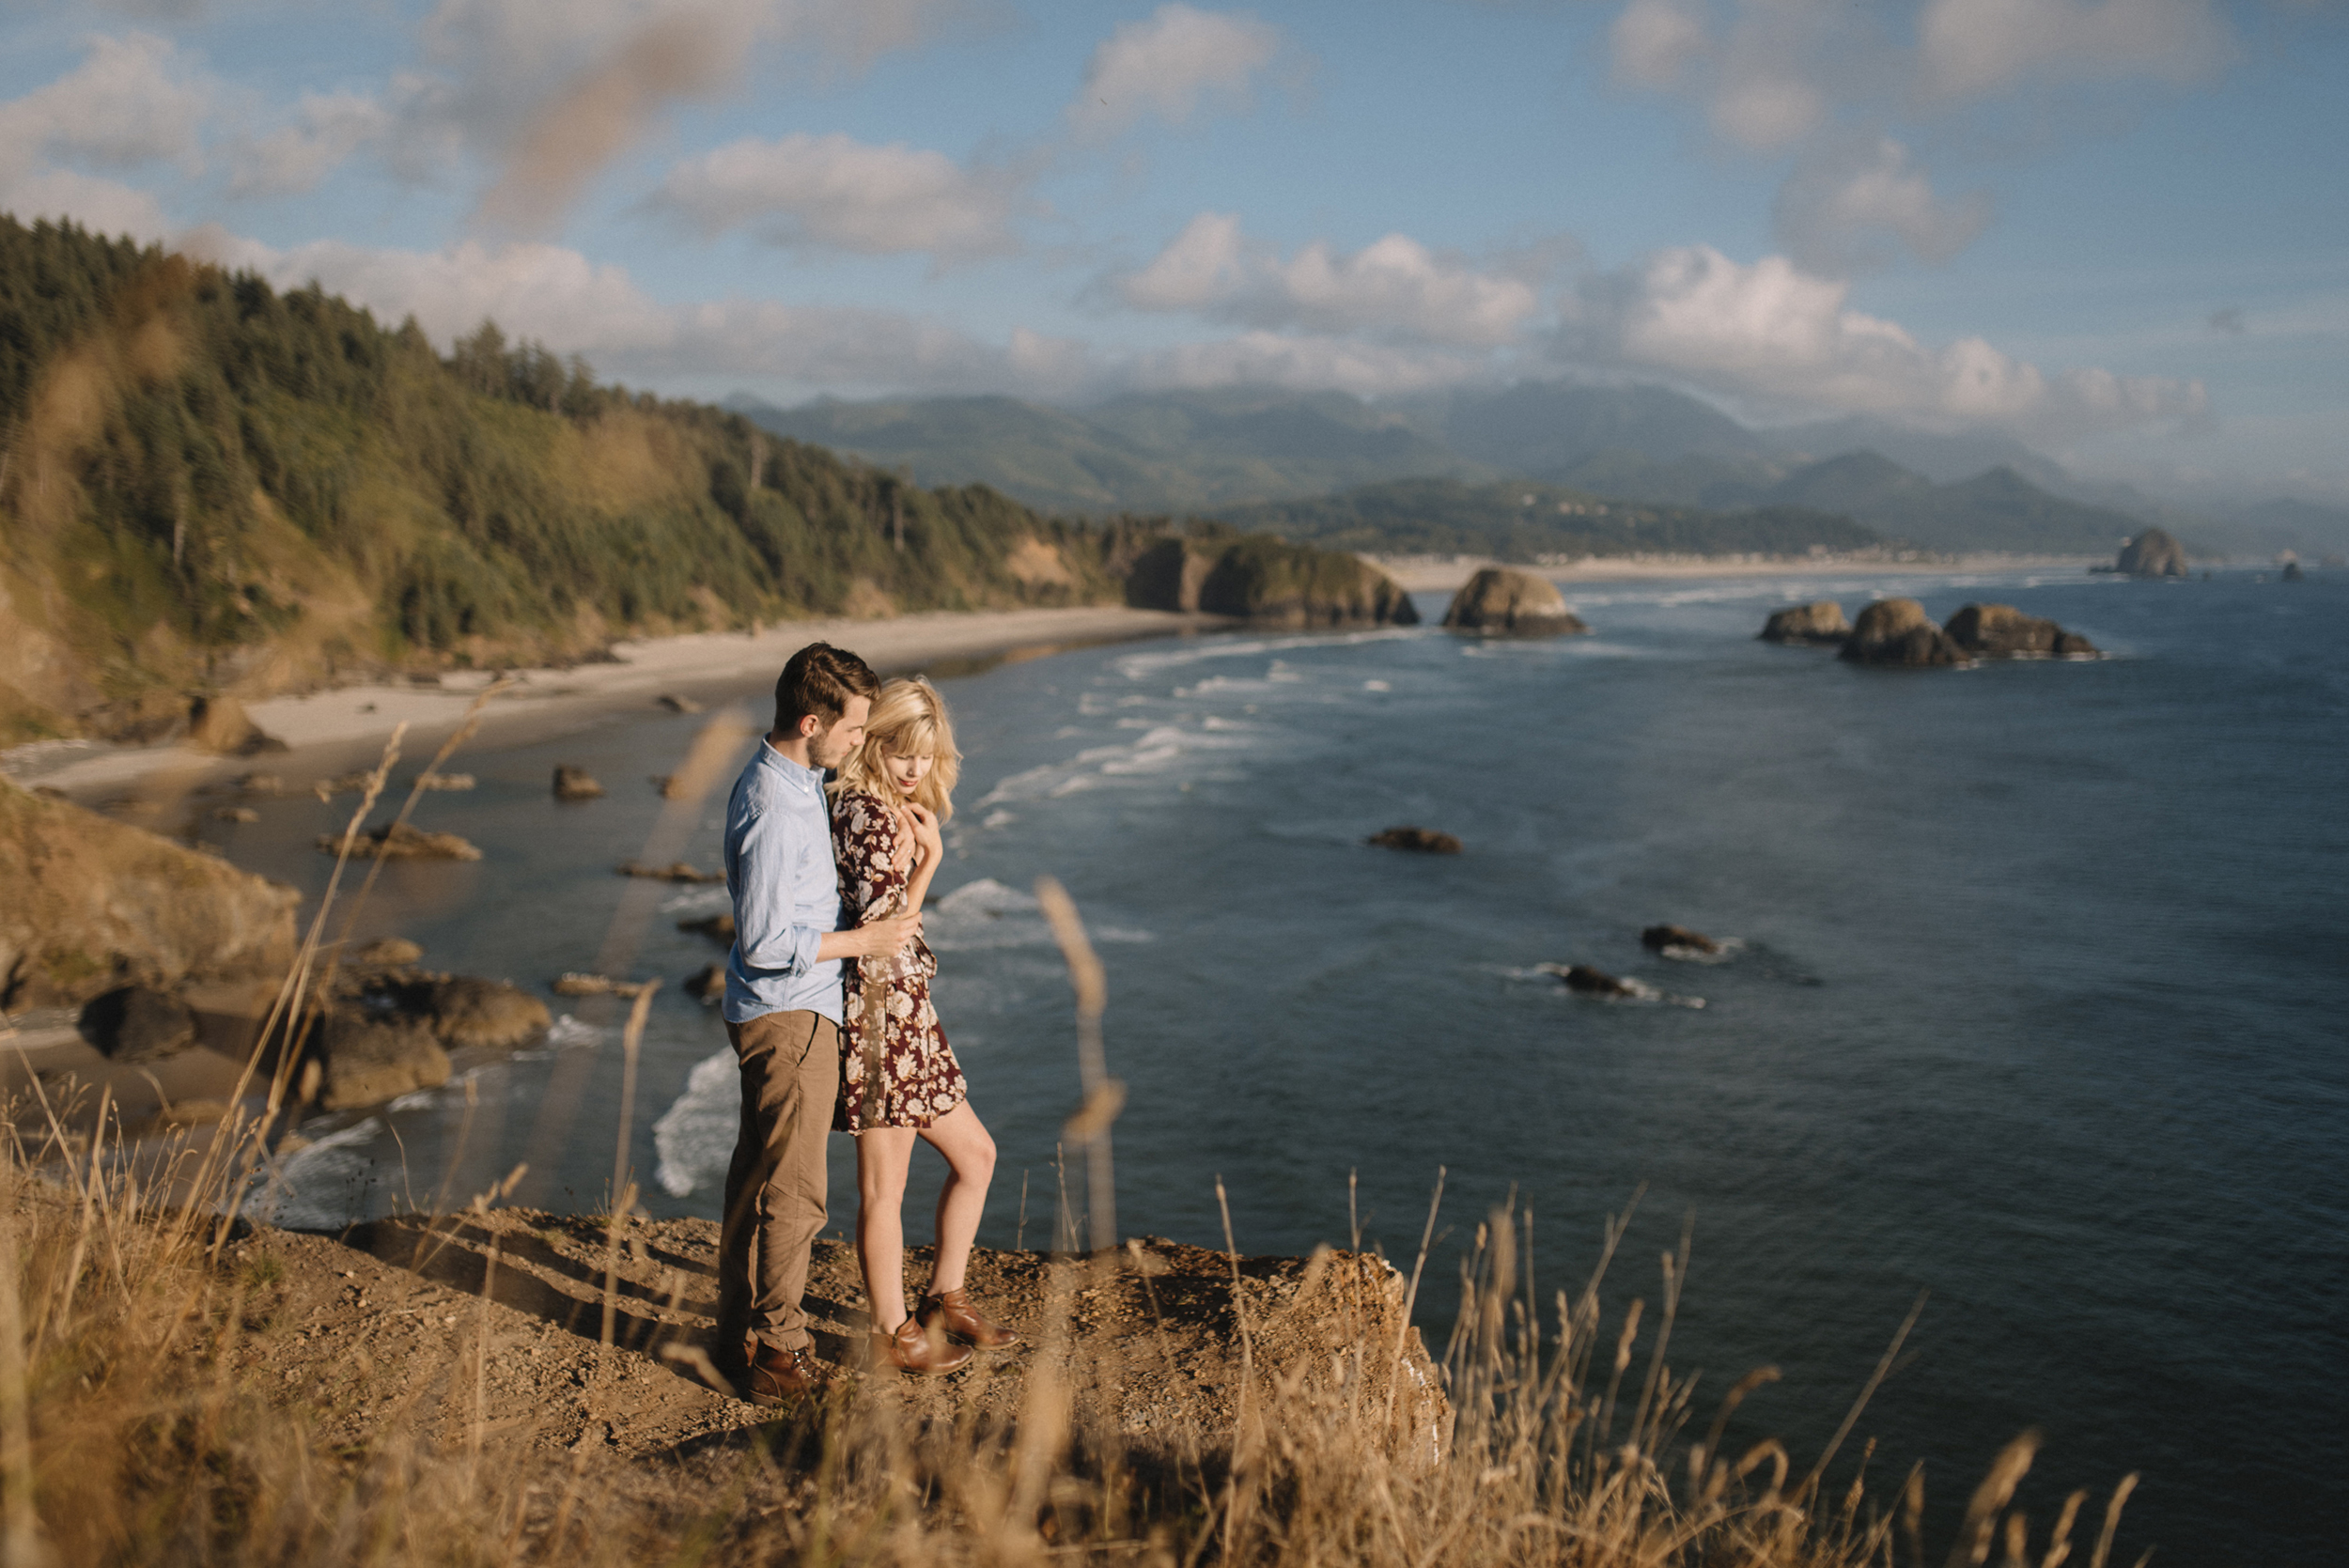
1223 451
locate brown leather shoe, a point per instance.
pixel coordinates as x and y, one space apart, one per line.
950 1310
918 1350
786 1377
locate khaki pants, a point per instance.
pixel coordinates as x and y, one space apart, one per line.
775 1186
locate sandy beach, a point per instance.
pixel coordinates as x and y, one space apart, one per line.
1444 573
327 732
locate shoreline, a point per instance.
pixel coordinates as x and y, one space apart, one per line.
329 730
1423 574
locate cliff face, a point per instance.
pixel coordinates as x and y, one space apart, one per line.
87 904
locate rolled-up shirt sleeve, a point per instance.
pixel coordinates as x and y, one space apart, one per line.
767 853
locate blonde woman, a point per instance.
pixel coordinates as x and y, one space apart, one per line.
898 1078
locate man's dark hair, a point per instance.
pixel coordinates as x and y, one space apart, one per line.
821 679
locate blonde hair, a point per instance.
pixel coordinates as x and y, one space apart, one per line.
909 719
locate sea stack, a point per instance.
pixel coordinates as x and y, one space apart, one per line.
2002 631
2153 554
1897 632
1820 623
1502 602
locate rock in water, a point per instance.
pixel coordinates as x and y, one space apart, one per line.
138 1023
1587 981
2153 554
1664 939
2002 631
1898 632
88 905
675 704
364 1061
706 985
1503 602
1423 841
676 871
1819 623
486 1015
397 841
574 783
388 953
718 928
221 725
1259 578
2293 572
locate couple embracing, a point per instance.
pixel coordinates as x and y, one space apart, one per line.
828 1007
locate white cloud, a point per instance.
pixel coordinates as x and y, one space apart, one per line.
1973 48
132 100
1773 332
574 305
1165 66
548 92
100 205
845 194
1834 210
292 159
1655 41
1395 287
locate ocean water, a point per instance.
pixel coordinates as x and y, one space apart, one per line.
2036 1005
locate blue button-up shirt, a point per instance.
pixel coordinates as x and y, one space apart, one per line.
786 888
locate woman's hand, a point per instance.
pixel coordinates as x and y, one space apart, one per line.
927 836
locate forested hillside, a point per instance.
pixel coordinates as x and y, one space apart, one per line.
206 485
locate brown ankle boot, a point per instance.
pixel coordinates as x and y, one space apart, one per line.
951 1311
918 1350
774 1377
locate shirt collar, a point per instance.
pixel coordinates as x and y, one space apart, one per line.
804 777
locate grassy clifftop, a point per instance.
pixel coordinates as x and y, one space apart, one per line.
206 485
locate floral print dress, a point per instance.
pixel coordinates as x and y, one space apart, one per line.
896 1067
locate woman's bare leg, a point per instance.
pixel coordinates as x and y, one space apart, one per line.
881 1156
969 1166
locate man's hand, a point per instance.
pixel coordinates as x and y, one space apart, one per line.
886 936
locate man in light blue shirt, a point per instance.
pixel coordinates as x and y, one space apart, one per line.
782 1014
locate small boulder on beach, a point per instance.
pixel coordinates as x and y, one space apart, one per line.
1820 623
1421 841
138 1023
1897 633
575 783
1502 602
397 841
1665 939
2002 631
222 726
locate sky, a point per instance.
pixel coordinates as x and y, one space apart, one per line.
2118 229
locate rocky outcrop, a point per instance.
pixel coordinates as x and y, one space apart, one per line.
1585 981
1820 623
476 1014
718 928
88 905
2002 631
2152 553
1505 602
576 784
222 726
706 985
1421 841
2292 572
364 1061
397 841
1897 632
1256 577
676 871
